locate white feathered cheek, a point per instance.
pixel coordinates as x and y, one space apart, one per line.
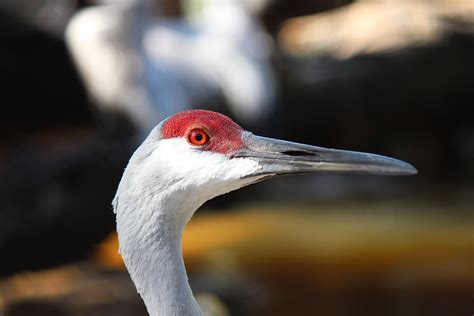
198 167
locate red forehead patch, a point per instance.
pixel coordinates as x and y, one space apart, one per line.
224 134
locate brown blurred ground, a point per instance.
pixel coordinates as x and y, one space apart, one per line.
390 258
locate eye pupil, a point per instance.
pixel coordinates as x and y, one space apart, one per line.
199 137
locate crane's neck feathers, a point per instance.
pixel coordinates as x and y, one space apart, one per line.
163 184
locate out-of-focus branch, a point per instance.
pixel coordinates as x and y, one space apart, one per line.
375 26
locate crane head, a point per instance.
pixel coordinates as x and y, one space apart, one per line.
202 154
188 159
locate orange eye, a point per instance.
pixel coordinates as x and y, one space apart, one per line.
198 137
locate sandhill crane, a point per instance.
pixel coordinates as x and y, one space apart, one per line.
188 159
148 67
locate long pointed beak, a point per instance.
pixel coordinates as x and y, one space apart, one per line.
278 157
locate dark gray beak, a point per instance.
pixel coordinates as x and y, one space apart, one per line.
278 157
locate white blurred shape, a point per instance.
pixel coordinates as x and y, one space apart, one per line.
150 67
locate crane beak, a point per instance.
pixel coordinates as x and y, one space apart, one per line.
278 157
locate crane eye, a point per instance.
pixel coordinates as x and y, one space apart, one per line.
198 137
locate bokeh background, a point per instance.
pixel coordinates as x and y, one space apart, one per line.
84 81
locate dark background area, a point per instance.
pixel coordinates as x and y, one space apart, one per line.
61 160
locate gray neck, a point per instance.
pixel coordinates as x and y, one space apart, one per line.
150 243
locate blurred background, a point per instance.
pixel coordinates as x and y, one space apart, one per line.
84 82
